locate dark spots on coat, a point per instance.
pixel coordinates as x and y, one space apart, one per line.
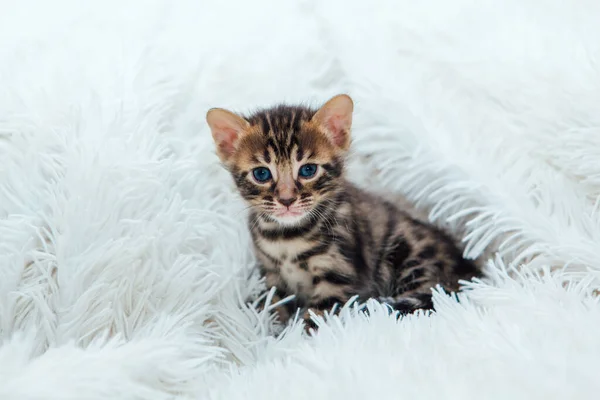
424 301
316 280
248 190
427 253
337 278
260 120
465 268
333 169
240 178
382 256
419 235
293 140
410 304
272 145
286 234
313 251
409 286
303 265
415 274
412 281
411 263
322 183
400 251
299 154
352 249
328 303
276 263
267 156
294 125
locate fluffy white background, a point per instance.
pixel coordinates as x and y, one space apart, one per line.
124 259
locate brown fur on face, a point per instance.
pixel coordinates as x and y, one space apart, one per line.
284 139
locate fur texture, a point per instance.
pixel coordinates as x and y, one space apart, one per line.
124 254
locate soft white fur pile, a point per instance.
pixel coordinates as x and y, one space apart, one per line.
124 257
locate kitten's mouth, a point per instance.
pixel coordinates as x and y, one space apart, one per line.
288 216
288 213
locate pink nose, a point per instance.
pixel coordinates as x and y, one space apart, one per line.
287 202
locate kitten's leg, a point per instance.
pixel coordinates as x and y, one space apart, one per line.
319 308
413 281
409 303
283 311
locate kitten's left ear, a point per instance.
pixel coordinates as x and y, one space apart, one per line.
336 119
226 128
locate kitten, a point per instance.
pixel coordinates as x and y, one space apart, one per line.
316 235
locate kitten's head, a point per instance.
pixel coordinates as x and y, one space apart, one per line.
286 161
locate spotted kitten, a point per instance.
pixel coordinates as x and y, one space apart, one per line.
316 235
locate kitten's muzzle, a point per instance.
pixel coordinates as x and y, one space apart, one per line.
287 201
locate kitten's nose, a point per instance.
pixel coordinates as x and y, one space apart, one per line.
287 201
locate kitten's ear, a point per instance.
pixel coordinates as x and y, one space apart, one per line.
226 128
336 118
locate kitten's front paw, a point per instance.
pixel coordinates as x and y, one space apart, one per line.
308 322
280 311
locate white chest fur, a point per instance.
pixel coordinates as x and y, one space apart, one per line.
285 251
297 279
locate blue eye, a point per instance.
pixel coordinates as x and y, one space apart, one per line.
307 170
261 174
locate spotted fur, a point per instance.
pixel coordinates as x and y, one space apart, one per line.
348 241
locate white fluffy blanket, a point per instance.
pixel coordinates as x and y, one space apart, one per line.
124 257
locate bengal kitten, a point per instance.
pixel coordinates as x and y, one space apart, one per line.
316 235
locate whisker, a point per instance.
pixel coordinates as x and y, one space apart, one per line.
321 216
256 220
327 219
244 209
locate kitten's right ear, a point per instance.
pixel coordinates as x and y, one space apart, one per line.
226 128
336 119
